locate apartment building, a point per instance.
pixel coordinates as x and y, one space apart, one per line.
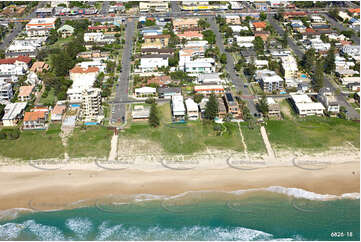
36 119
231 104
180 24
289 67
91 104
6 91
274 109
40 26
153 6
269 80
159 39
13 113
150 63
25 93
178 109
192 109
233 19
200 65
304 106
326 97
209 89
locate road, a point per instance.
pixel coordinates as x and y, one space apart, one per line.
236 80
121 95
341 99
340 27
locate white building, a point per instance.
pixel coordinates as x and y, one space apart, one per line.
91 105
238 28
328 100
289 67
192 109
317 19
209 89
210 78
245 41
40 26
319 45
6 91
178 109
13 113
304 105
269 80
200 65
153 62
260 64
99 38
83 79
144 92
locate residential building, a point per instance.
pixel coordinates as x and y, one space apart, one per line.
13 112
178 109
200 65
222 111
140 113
295 14
33 79
238 28
98 38
36 119
210 78
44 12
159 80
14 66
144 92
151 63
326 97
274 109
185 24
83 78
344 16
25 93
192 109
23 47
262 34
156 39
289 67
156 51
231 104
153 6
168 92
269 80
39 67
91 104
259 26
66 31
304 106
189 54
245 41
350 80
233 19
209 89
40 26
261 64
6 91
317 19
58 112
190 35
101 28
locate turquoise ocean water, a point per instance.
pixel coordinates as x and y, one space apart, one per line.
251 215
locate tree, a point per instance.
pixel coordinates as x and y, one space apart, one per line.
258 45
318 77
198 98
203 24
209 36
211 110
263 106
223 58
154 116
330 65
2 110
262 16
309 59
285 40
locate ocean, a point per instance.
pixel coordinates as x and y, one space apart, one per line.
275 213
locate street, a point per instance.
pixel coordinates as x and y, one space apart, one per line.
121 95
236 80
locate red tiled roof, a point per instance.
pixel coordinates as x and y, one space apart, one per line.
25 91
260 25
24 59
58 109
354 10
34 116
78 69
310 30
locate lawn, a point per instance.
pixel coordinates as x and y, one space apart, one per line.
313 133
34 144
90 142
253 138
185 138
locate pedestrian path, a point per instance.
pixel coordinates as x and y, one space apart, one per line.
270 151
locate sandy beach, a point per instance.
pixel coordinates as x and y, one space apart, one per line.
24 184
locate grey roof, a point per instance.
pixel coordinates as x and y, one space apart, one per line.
169 90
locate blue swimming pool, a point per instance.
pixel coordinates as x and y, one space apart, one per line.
90 123
75 105
303 76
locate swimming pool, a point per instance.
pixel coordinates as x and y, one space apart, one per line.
75 105
303 76
90 123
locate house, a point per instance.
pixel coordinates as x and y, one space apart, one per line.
262 34
192 109
144 92
304 106
259 26
83 78
209 89
152 30
33 79
101 28
14 66
274 109
260 64
245 41
58 112
168 92
39 66
140 113
91 105
348 80
328 100
13 112
25 93
269 80
317 19
65 31
178 109
153 6
6 91
40 26
248 54
36 119
151 63
200 65
354 86
162 39
233 19
210 78
189 54
159 80
185 24
289 67
295 14
189 35
238 28
98 38
93 54
343 15
24 47
222 111
231 105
